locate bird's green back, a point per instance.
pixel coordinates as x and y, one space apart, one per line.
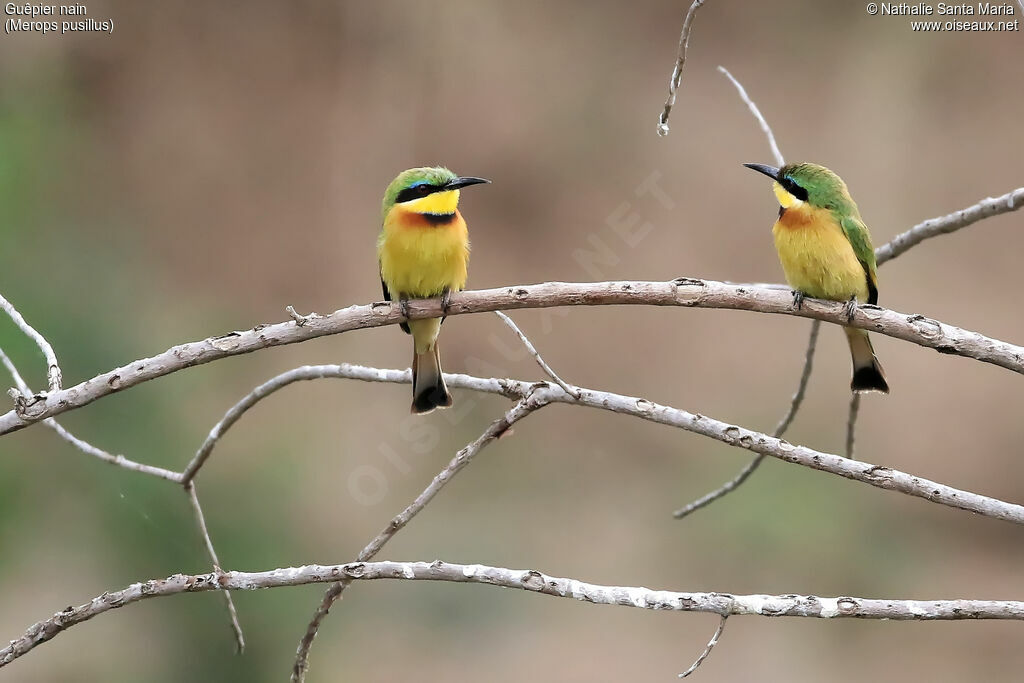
826 190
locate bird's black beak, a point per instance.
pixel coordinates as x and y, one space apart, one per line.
769 171
464 182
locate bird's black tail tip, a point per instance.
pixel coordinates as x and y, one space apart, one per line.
431 398
869 378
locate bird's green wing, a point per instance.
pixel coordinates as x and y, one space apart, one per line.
387 297
860 239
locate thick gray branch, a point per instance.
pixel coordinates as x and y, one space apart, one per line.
724 604
684 292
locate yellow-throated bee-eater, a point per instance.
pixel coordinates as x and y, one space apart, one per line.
423 250
826 252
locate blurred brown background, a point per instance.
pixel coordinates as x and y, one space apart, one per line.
205 166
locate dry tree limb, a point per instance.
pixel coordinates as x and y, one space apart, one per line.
733 435
530 402
685 292
536 355
765 128
53 373
707 648
236 628
723 604
851 423
80 444
127 464
299 319
677 70
117 460
232 416
943 225
121 461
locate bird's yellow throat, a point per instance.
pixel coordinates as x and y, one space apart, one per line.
438 203
786 199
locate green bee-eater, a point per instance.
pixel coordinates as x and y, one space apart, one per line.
422 251
826 252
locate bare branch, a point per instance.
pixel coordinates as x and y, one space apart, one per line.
127 464
239 409
723 604
299 319
851 423
876 475
707 649
986 208
236 628
677 71
801 389
686 292
780 429
84 446
733 435
111 458
530 402
536 355
776 152
52 366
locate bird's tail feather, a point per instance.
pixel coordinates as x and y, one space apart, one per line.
428 388
867 371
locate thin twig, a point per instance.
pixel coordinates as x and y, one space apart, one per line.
723 604
933 227
299 319
851 423
53 373
684 292
236 411
780 429
530 402
707 650
677 71
536 355
85 446
236 627
113 459
776 152
805 376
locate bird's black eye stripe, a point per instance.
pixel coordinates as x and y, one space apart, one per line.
794 189
416 192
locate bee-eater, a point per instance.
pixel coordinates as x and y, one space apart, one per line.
826 252
423 250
